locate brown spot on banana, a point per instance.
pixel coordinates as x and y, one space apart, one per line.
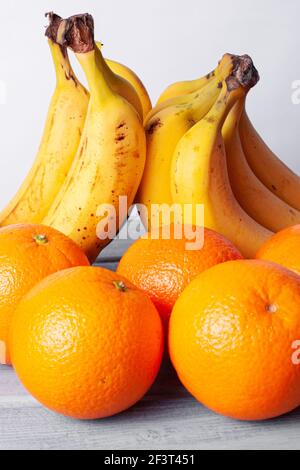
209 119
120 137
191 121
153 125
70 76
210 75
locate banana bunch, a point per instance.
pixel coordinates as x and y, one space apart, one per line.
93 146
203 149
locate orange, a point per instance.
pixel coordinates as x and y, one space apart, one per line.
86 343
234 339
283 248
163 268
28 253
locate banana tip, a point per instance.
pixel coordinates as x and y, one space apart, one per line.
244 73
79 33
53 27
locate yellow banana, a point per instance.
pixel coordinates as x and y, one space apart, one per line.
199 170
62 134
176 93
131 77
184 87
271 171
118 83
255 198
135 81
111 156
163 132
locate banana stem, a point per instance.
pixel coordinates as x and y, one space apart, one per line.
222 107
225 66
235 87
99 87
54 33
55 22
244 73
232 122
77 33
102 64
63 69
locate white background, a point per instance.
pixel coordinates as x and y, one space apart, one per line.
164 41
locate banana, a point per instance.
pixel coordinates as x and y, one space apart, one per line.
176 93
199 170
111 156
255 198
131 77
118 83
163 132
61 138
184 87
271 171
135 81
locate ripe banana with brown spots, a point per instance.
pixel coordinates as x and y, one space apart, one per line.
61 138
199 173
163 131
110 159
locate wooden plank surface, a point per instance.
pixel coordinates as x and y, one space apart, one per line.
167 418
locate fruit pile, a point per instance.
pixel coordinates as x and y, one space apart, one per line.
88 343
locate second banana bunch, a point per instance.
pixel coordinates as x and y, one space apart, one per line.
203 149
197 146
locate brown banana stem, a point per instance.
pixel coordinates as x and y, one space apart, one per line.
243 74
53 27
79 33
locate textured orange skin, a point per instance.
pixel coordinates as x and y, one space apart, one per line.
283 248
24 262
82 347
164 268
229 350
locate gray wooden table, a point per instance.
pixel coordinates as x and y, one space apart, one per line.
167 418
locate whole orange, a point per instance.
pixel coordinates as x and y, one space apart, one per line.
283 248
86 343
28 253
234 339
164 267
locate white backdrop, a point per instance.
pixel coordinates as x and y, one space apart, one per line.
164 41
